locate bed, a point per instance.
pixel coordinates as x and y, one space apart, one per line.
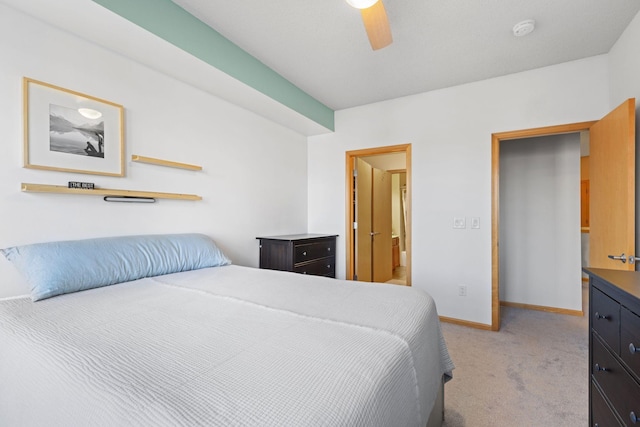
219 345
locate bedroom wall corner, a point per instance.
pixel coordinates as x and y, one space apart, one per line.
254 177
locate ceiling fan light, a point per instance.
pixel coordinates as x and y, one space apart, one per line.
361 4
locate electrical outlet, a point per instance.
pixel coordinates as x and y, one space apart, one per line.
475 222
459 222
462 290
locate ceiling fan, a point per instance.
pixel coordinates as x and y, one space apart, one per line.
375 21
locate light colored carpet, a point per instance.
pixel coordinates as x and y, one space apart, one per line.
534 372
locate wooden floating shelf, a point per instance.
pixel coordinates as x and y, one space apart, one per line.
168 163
45 188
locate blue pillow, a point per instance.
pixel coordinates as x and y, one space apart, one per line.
57 268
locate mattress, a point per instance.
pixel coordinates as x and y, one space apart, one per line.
224 346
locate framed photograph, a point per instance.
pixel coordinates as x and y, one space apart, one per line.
69 131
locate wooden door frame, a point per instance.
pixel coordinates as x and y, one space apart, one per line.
496 139
350 156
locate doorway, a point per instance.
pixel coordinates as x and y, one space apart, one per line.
540 262
612 192
497 140
379 247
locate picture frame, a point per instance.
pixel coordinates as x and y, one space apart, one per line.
69 131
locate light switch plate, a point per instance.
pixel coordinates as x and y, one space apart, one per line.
459 222
475 222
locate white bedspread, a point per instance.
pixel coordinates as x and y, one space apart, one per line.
225 346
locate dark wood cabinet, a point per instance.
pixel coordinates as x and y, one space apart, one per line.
313 254
614 347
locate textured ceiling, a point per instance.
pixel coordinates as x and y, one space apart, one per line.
321 45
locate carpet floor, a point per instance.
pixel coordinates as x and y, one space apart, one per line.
533 372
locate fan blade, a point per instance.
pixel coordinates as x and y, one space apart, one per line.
377 25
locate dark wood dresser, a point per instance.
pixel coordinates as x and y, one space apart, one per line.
313 254
614 347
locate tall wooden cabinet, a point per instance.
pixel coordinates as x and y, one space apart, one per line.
313 254
614 347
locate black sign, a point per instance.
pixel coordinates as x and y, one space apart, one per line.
83 185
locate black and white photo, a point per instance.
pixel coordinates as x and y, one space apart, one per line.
73 131
69 131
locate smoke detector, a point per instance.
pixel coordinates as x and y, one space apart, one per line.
523 28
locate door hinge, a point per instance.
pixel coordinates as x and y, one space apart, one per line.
355 225
355 172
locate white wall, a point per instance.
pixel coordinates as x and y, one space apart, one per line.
540 221
387 162
624 63
450 132
254 178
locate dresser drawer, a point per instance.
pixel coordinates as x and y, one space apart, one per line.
606 319
601 414
621 389
321 267
630 340
309 251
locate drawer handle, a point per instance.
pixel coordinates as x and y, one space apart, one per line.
329 249
599 368
633 349
601 316
304 272
328 265
633 417
304 253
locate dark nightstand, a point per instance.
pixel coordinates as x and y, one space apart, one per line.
313 254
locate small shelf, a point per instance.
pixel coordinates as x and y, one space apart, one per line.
45 188
168 163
